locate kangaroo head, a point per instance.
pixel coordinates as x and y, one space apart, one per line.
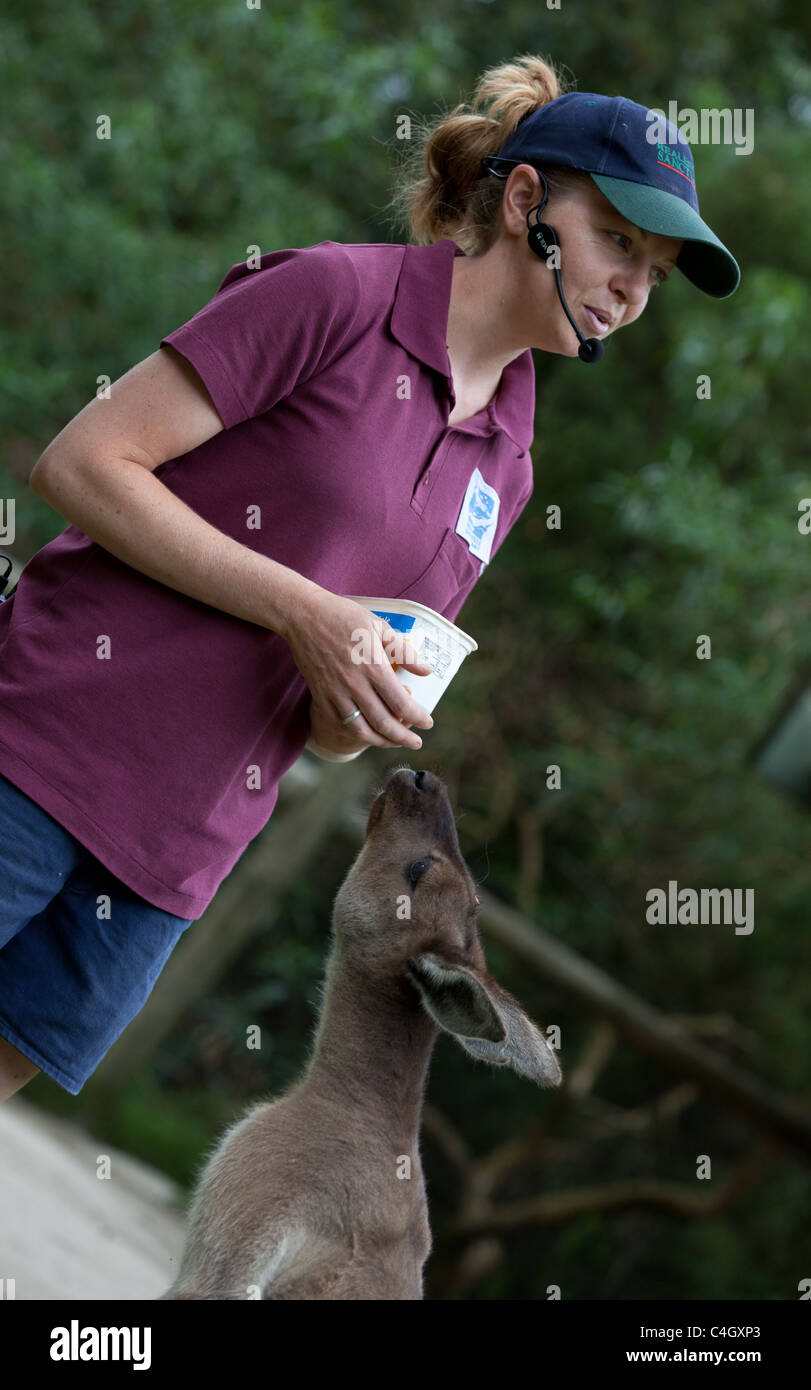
405 921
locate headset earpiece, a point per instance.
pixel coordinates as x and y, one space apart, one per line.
541 236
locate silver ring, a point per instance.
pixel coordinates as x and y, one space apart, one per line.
351 716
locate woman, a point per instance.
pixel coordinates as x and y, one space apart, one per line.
337 420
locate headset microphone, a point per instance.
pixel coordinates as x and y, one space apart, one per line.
542 238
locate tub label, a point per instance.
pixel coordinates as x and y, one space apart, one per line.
400 622
479 517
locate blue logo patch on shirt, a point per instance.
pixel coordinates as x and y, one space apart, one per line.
478 518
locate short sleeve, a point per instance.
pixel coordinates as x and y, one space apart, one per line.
270 328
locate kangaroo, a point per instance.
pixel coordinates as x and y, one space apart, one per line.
320 1194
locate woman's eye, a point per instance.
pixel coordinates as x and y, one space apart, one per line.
417 869
662 275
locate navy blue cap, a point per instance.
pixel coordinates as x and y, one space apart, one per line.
642 164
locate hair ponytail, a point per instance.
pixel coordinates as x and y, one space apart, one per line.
441 190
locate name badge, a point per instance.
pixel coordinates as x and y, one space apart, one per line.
479 517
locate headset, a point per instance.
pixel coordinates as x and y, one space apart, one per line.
542 238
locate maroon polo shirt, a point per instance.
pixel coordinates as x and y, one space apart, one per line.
329 368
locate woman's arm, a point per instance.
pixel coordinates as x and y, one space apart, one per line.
99 474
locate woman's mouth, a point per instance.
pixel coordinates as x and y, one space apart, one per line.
599 325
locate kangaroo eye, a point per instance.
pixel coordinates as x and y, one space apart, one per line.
417 869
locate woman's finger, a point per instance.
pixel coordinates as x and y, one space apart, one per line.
401 652
378 719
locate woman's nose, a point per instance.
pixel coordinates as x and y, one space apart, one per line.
632 285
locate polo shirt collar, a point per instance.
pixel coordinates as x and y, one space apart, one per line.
419 322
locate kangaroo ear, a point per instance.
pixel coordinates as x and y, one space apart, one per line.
525 1049
456 999
484 1018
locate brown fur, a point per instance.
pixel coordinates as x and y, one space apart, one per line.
320 1194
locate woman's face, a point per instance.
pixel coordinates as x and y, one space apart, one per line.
606 264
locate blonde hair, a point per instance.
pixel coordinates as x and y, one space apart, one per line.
441 190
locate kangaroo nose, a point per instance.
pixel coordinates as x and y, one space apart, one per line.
419 779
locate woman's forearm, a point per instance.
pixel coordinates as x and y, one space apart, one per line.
123 507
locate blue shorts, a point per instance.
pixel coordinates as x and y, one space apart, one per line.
70 981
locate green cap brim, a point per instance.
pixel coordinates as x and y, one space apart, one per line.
703 259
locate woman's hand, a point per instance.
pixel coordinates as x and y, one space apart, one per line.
327 742
344 653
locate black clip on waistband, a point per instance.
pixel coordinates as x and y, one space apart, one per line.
4 559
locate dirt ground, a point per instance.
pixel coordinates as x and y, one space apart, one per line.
66 1233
